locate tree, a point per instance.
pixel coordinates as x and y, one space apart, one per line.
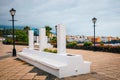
72 44
53 40
87 44
21 36
1 33
26 29
48 29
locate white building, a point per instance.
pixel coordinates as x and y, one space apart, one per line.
104 39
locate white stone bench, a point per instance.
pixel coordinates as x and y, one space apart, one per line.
58 65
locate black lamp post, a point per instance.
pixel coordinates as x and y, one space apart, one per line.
94 21
12 11
56 30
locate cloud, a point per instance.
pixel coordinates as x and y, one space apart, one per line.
76 15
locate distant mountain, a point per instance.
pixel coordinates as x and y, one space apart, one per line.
36 30
10 27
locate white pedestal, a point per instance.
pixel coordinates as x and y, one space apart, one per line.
42 34
31 39
61 64
61 39
58 65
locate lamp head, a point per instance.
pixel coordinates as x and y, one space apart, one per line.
12 11
94 20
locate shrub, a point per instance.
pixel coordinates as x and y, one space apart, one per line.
115 49
54 51
53 40
87 44
46 50
72 44
21 43
101 44
21 36
7 41
49 50
20 39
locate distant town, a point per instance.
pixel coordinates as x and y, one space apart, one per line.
69 38
82 38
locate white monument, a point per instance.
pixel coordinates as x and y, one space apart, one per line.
37 41
31 39
36 38
61 64
44 40
61 39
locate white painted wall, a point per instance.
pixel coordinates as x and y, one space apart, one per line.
31 39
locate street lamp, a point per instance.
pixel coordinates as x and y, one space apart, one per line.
56 30
94 21
12 11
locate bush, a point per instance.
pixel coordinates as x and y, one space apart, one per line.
87 44
53 40
49 50
10 41
54 51
101 44
72 44
7 41
21 36
20 39
21 43
115 49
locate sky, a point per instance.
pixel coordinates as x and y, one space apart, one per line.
75 15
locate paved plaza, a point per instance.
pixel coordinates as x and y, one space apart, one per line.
105 66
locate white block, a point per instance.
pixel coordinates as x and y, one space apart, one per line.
61 39
37 41
58 65
42 45
31 39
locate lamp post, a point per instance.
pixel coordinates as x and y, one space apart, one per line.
56 30
12 11
94 21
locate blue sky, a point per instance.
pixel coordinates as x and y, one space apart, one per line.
76 15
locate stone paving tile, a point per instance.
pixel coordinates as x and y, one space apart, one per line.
90 77
25 70
111 74
10 70
10 65
28 76
16 77
20 74
40 78
106 66
6 76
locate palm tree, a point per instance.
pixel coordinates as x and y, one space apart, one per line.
26 29
48 31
